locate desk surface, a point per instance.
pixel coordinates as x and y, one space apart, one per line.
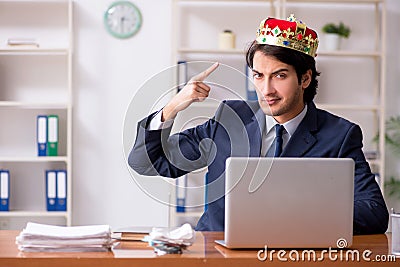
204 252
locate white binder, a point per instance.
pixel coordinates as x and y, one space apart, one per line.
51 185
4 190
42 135
61 190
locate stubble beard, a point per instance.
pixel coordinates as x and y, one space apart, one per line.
282 108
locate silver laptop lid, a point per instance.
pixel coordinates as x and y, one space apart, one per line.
288 202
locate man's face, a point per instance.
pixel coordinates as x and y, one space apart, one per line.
279 93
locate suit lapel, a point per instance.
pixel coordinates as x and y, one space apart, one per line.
301 141
303 138
253 130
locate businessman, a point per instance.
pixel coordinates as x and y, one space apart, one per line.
285 76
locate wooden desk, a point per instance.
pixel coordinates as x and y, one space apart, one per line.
204 252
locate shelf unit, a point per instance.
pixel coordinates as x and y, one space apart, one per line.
37 80
360 99
204 40
201 44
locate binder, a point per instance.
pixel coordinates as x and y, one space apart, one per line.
182 74
250 88
181 184
52 134
206 191
51 186
41 135
61 202
4 190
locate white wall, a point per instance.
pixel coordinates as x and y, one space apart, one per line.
107 72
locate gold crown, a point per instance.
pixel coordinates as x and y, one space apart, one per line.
288 33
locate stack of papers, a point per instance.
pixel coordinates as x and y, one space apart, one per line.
167 241
49 238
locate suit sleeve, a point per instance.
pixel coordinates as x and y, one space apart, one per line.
157 152
370 212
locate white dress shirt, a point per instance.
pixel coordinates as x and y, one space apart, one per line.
157 124
290 128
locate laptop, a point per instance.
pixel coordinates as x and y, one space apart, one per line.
288 203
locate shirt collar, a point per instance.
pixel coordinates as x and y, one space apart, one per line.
290 126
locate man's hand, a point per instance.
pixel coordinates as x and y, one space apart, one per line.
194 91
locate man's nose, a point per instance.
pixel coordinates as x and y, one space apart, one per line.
266 87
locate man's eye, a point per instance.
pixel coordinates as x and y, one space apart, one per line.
257 75
280 75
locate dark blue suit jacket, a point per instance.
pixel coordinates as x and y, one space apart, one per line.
236 130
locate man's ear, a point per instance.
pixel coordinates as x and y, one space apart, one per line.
306 79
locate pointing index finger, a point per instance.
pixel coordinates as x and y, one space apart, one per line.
203 75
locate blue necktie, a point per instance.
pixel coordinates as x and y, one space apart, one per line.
279 140
275 149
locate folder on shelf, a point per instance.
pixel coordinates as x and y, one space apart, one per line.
51 186
181 184
52 135
250 88
41 135
61 202
4 190
181 74
206 191
22 42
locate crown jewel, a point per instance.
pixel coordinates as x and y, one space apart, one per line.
290 33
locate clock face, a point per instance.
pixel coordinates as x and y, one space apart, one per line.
122 19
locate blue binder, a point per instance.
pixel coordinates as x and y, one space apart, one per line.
181 74
181 184
61 202
51 187
4 190
250 88
206 191
41 135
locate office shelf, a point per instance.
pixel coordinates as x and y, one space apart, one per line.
211 51
203 46
32 105
36 80
361 99
349 54
349 107
21 51
34 214
336 1
376 54
189 214
221 1
35 1
34 159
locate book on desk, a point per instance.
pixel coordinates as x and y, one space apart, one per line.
131 233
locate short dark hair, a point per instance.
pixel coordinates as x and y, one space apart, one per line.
300 61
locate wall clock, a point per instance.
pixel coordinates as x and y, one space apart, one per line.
122 19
